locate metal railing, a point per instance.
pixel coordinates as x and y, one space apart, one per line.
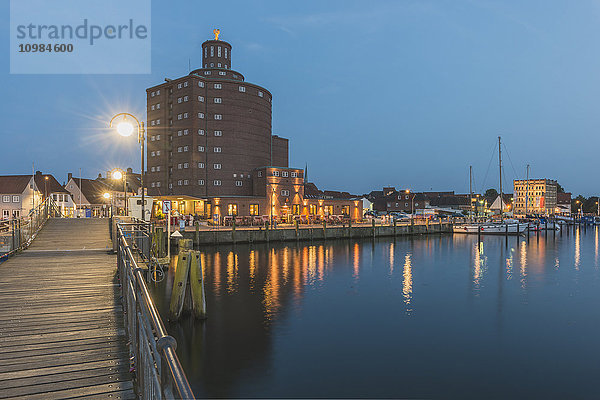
16 234
158 370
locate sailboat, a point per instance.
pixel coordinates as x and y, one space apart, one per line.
504 227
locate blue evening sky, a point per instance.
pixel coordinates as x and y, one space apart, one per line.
370 93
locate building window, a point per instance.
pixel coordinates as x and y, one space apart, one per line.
158 168
217 182
179 86
179 149
157 137
153 184
217 86
222 72
201 115
238 183
260 94
218 100
312 209
200 148
185 115
201 132
179 116
152 94
254 209
217 166
185 131
259 174
285 193
200 165
152 154
201 182
293 174
185 84
212 51
179 166
158 152
217 149
296 209
218 117
275 173
152 108
201 99
158 106
284 174
180 182
185 182
218 51
242 89
206 72
179 100
153 138
232 209
185 98
200 84
218 133
152 169
6 199
185 165
179 133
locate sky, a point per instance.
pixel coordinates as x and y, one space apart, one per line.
407 93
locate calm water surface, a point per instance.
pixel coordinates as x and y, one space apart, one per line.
429 317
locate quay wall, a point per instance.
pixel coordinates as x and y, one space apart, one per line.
232 236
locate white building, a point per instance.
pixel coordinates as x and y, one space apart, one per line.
18 195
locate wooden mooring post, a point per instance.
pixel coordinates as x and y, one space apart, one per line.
188 287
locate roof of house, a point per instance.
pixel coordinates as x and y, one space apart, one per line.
311 191
14 184
460 200
563 198
49 185
93 190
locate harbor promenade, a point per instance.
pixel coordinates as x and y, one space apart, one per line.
61 321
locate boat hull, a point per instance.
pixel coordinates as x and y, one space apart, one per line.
490 229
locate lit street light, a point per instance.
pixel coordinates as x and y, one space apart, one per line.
125 128
107 197
117 175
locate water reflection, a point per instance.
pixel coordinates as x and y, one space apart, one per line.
407 282
275 310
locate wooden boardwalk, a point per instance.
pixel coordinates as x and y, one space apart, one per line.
61 323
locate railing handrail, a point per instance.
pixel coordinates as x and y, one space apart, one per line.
164 343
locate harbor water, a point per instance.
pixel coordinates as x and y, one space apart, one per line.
440 316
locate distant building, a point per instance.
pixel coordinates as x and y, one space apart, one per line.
50 187
88 194
392 200
117 188
535 196
18 195
505 206
563 204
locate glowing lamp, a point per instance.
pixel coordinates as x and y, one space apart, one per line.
106 195
118 175
124 128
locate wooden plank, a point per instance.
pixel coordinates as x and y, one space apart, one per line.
61 321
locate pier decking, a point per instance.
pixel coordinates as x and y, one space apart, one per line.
61 321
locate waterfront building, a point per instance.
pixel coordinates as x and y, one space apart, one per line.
50 187
19 194
211 150
537 196
563 204
117 188
88 196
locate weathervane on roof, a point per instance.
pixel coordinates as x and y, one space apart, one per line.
216 32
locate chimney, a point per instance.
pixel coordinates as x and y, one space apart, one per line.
70 176
38 172
129 170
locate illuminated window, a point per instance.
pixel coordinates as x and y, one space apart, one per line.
296 209
254 209
232 209
312 209
275 173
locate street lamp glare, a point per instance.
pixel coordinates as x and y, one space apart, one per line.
124 128
106 195
117 175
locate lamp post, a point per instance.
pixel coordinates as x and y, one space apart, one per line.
118 174
412 203
125 128
45 188
107 197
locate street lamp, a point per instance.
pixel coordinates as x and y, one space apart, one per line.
125 128
412 203
106 195
45 189
117 175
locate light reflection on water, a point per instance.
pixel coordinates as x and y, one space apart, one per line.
333 319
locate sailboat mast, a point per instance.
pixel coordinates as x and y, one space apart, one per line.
527 192
500 165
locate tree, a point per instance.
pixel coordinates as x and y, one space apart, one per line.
491 193
560 189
